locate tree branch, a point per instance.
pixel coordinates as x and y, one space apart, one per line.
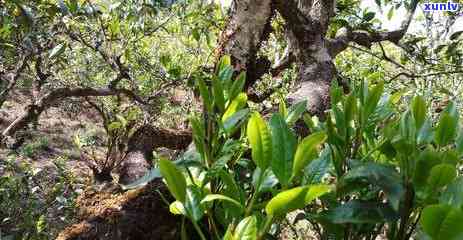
34 110
366 39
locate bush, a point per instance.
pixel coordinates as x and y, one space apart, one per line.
379 169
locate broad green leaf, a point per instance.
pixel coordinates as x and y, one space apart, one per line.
148 177
238 103
427 159
237 86
453 194
225 61
447 128
282 107
267 182
231 187
357 211
350 108
234 121
198 135
225 77
317 169
260 140
246 229
459 142
419 111
192 203
175 180
372 100
217 90
441 175
442 222
213 197
373 173
295 198
284 144
203 90
228 234
306 151
295 112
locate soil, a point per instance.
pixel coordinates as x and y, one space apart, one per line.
137 214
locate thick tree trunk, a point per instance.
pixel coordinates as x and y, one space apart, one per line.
248 27
307 23
139 156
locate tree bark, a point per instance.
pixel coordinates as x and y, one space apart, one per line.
247 28
138 159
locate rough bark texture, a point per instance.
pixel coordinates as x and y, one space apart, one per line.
248 27
137 162
307 22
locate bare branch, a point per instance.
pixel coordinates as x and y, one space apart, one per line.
11 78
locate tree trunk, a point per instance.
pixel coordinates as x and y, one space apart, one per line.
139 156
248 27
306 22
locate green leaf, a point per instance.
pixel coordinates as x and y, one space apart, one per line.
390 13
441 175
306 151
203 90
198 135
448 125
217 90
260 140
246 229
234 121
419 111
373 173
192 203
213 197
225 77
175 180
57 51
446 130
177 208
267 182
350 108
358 212
453 194
237 86
295 198
148 177
442 222
372 100
282 107
225 61
369 16
317 169
427 159
284 144
295 112
238 103
228 234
